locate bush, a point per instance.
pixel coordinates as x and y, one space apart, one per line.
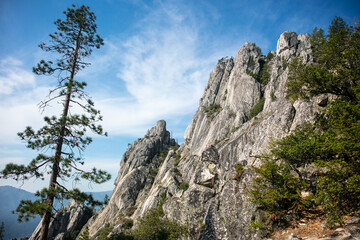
239 169
212 110
251 63
269 56
121 236
177 156
275 189
153 226
128 223
153 172
273 97
103 233
184 186
85 234
257 108
264 75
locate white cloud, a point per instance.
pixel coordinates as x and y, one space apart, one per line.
19 98
19 111
164 68
157 73
13 77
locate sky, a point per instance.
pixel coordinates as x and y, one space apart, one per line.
154 65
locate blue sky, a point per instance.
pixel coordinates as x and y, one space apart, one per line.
154 65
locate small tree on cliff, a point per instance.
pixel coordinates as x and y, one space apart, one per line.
64 137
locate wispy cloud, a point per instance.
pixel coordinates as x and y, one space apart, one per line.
13 77
158 72
164 67
19 97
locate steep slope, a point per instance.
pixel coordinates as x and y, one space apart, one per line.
66 223
224 132
138 168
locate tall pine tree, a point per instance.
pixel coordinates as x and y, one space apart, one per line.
64 137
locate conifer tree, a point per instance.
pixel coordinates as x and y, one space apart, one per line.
331 143
63 139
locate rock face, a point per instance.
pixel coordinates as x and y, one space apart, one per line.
66 222
138 169
221 135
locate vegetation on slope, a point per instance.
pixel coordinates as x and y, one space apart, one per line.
152 226
331 144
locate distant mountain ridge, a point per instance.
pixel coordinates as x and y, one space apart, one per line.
10 198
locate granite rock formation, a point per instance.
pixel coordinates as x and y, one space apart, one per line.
221 135
66 223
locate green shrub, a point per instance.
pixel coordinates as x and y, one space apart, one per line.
85 234
177 156
225 95
163 153
239 169
212 110
128 223
163 196
70 235
234 128
252 74
269 56
153 172
257 108
284 63
251 63
121 236
273 97
103 233
184 186
153 226
260 225
264 75
275 188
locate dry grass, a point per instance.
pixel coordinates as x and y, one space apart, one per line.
307 227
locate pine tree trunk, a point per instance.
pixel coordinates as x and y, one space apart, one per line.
57 158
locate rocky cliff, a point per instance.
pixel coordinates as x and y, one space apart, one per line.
224 132
242 110
66 223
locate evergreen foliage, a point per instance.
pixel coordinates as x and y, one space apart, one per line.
184 186
275 187
63 139
257 108
264 75
85 234
332 143
154 226
213 109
